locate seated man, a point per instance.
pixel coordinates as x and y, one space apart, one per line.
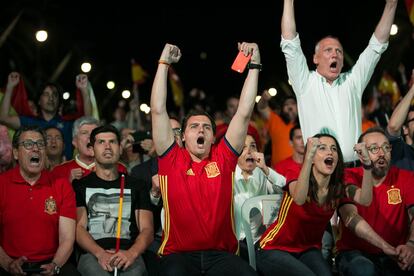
196 180
84 161
37 212
99 203
378 239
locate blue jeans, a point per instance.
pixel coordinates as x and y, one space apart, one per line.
88 266
356 263
277 262
204 263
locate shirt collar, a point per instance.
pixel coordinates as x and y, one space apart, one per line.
84 165
17 177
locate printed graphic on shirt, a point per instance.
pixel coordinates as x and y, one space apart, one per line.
50 206
394 196
212 170
103 206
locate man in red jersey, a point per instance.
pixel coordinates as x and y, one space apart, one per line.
196 181
378 239
37 212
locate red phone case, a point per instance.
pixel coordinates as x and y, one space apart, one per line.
240 62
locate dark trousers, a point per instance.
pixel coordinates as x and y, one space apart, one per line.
356 263
67 269
277 262
212 263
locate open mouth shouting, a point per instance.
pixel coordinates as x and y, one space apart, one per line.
200 141
34 160
334 66
329 162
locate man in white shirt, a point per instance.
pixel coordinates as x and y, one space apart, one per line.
328 100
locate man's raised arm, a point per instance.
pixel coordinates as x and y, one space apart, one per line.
237 130
162 133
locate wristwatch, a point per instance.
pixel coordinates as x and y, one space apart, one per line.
56 269
255 66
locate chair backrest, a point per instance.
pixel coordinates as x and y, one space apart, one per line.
257 214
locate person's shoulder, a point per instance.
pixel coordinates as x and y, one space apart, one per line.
7 175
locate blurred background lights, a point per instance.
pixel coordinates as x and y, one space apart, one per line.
86 67
41 36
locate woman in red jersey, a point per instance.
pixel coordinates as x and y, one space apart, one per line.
292 244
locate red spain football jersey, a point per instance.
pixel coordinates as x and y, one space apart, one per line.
387 214
297 227
198 200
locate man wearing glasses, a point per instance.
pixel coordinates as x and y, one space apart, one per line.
37 212
379 238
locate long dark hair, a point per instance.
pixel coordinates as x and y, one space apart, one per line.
336 185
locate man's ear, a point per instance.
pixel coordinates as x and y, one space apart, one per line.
15 154
315 59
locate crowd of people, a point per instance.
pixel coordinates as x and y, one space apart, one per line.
82 197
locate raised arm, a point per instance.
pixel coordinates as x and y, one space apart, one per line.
82 84
400 113
236 133
357 224
11 121
263 105
382 31
300 188
362 195
162 133
288 20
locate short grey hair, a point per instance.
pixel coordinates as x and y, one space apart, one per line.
84 120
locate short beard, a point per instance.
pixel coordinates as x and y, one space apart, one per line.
379 173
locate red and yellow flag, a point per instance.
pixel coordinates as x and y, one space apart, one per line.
410 8
138 73
176 87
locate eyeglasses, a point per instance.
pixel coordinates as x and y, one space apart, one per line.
374 149
29 144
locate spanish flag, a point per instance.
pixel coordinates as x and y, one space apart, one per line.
138 74
176 87
410 8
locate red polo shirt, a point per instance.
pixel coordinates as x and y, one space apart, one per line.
29 215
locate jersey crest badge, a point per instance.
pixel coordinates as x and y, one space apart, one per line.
190 172
212 170
394 196
50 205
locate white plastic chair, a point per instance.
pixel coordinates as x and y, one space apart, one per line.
257 214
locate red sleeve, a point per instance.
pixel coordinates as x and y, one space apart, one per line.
67 196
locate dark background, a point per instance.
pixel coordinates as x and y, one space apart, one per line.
110 34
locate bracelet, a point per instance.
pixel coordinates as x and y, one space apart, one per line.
255 66
163 62
367 167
